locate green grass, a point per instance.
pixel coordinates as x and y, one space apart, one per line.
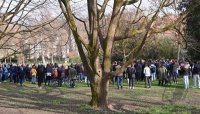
50 99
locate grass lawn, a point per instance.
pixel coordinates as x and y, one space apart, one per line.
29 99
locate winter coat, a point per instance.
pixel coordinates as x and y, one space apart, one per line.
40 73
162 72
21 73
72 73
147 71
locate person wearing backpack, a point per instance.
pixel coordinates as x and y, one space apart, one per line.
55 73
72 76
195 74
153 71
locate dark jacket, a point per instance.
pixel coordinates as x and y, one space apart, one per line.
40 73
72 73
21 73
131 72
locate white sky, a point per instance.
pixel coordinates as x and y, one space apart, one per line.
79 7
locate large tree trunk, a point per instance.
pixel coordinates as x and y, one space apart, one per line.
100 95
95 91
103 96
99 90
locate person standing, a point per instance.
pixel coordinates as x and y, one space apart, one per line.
11 73
63 75
40 74
21 75
60 78
120 76
48 75
72 76
186 75
33 74
1 74
175 71
162 72
195 74
147 73
138 67
5 73
153 71
14 73
131 76
27 70
114 78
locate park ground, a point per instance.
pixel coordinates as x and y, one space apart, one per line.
29 99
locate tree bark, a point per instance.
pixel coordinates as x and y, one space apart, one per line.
99 89
95 92
103 97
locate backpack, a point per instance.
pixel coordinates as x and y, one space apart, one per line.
153 69
133 70
195 69
5 69
55 73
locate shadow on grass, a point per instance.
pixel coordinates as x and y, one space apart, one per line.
56 100
73 100
14 96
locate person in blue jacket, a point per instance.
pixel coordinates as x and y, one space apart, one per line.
5 72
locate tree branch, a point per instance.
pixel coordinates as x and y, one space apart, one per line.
102 10
129 2
82 22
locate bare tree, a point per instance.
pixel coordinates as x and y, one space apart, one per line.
89 47
17 20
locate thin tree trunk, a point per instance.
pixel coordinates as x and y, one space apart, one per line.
52 61
43 60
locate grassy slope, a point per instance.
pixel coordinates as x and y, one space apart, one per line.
165 100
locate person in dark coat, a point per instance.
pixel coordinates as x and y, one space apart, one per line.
48 75
40 74
131 76
1 74
11 74
18 73
14 73
59 77
72 76
21 75
27 72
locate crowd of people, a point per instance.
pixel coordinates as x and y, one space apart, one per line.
164 71
43 74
